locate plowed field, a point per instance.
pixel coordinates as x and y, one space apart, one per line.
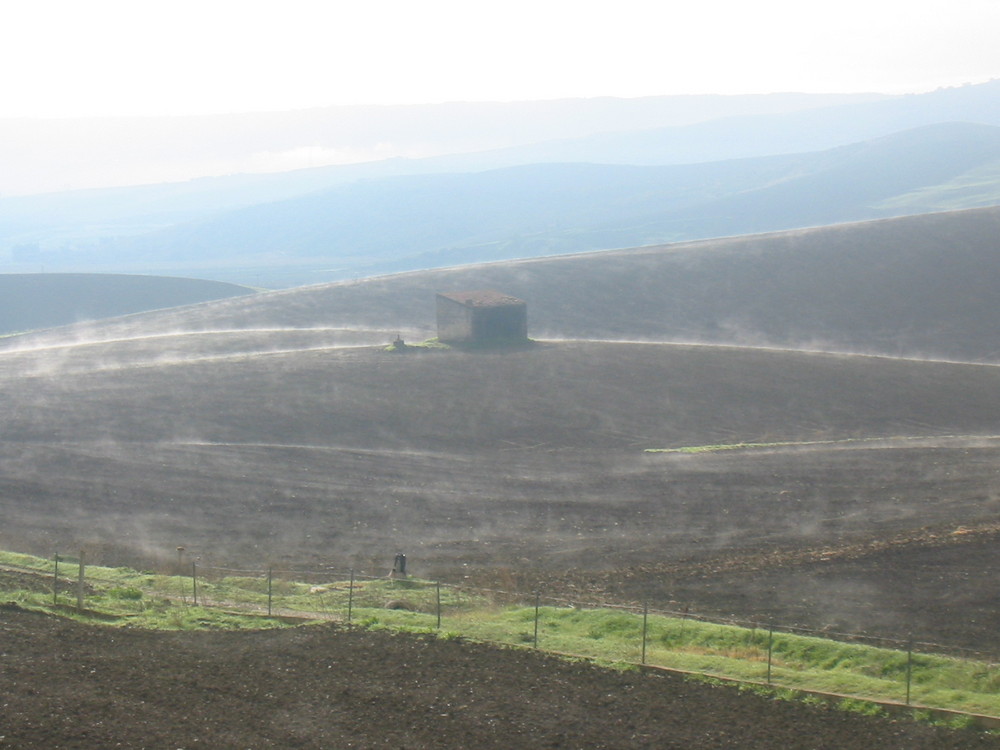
64 685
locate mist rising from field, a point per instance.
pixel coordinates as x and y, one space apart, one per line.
275 429
88 351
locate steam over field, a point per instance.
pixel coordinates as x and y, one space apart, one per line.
276 428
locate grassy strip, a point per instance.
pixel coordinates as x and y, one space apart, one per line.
398 347
742 446
800 662
141 599
785 444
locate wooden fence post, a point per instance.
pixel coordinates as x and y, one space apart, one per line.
194 582
270 574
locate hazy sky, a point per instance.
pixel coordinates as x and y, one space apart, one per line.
148 57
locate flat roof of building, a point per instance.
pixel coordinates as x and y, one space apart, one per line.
482 298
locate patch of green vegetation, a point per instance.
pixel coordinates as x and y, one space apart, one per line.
777 444
731 447
435 344
400 347
856 706
977 187
129 593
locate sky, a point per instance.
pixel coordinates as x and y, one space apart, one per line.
67 58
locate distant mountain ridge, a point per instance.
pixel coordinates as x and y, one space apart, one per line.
62 154
741 137
196 228
425 221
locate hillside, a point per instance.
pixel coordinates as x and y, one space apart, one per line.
442 220
31 301
912 286
276 428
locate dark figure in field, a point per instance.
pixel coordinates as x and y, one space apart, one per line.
399 566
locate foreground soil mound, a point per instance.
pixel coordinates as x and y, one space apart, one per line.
70 686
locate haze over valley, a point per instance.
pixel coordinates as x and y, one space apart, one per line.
717 177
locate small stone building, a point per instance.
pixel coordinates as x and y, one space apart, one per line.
481 317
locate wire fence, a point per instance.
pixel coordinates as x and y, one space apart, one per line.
895 670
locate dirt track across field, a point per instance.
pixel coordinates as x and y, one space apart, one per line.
65 685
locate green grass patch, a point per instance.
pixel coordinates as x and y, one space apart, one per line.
780 444
428 345
972 189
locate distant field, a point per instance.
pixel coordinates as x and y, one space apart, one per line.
30 301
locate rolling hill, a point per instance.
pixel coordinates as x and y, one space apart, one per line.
30 301
916 286
276 428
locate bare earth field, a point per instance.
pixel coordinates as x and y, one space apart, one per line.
286 447
70 686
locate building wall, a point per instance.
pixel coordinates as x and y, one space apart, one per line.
454 320
463 323
508 322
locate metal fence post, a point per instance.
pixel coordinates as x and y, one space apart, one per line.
909 667
350 597
770 649
438 585
79 586
194 582
180 574
269 589
645 618
537 603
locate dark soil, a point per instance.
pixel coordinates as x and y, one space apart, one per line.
64 685
259 447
